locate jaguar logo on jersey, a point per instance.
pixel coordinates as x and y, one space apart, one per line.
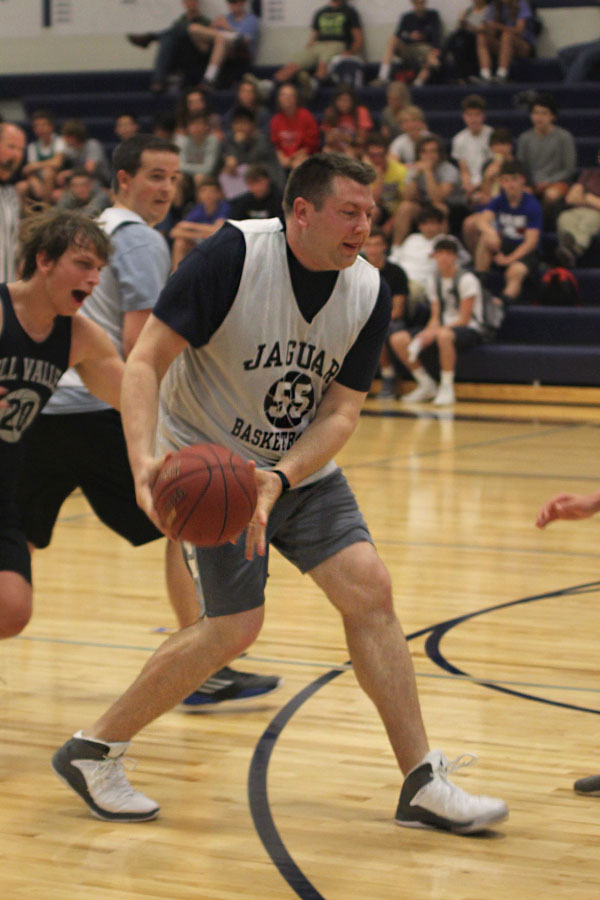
289 399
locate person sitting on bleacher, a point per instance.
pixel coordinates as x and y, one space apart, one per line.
200 149
548 155
263 198
389 184
510 228
294 131
398 99
336 30
82 152
414 127
231 40
471 146
501 151
243 146
507 34
248 96
84 194
414 255
375 250
455 325
45 156
460 48
579 225
201 221
126 126
346 113
432 179
416 41
176 50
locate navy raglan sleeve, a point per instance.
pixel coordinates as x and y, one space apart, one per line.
200 293
361 361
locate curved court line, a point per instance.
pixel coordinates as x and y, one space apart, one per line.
432 646
258 795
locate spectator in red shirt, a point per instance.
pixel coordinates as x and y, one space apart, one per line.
294 130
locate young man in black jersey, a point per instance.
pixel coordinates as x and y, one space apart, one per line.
40 337
277 333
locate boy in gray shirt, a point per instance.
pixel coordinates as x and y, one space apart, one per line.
547 153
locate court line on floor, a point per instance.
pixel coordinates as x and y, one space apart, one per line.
436 634
450 416
258 794
314 664
452 448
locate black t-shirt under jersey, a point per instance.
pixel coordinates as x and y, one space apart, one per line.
200 293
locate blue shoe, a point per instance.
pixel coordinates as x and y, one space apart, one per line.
229 686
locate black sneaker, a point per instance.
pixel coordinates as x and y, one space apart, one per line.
229 686
141 40
589 785
95 771
429 800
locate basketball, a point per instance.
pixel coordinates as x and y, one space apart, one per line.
205 494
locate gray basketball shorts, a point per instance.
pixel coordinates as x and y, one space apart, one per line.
307 525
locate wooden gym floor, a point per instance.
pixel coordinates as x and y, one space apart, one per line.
504 628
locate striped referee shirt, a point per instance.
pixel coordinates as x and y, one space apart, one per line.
10 212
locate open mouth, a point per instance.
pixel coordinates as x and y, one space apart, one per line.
78 296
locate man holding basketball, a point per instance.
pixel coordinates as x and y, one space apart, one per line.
277 333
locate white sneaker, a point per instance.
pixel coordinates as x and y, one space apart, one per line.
445 396
421 393
96 772
429 800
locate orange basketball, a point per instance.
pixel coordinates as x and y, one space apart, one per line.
205 494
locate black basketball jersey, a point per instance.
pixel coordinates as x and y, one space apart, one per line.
29 371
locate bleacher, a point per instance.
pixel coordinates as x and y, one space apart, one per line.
553 346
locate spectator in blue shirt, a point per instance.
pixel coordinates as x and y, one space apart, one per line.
231 38
507 33
510 229
206 217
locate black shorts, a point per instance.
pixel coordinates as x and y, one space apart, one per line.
14 553
465 338
85 450
531 261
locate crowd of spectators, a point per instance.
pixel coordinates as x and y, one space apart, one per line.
488 193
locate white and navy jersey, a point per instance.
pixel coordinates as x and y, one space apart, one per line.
29 371
267 338
10 214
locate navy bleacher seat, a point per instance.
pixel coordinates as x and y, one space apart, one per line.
546 345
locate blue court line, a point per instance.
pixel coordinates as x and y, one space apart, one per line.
258 795
436 634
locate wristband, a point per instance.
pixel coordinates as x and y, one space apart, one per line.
285 482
